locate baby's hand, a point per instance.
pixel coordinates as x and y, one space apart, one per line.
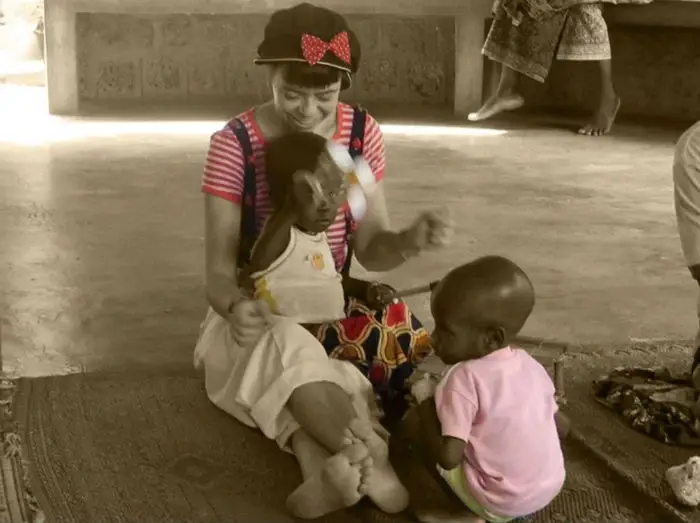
424 388
379 295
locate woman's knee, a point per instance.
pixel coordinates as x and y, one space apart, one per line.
324 410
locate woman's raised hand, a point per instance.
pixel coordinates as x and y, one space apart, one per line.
432 229
249 320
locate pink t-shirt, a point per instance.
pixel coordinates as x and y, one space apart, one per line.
503 406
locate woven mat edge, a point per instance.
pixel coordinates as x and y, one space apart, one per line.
15 401
16 470
580 438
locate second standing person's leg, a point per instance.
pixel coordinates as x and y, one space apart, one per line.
585 39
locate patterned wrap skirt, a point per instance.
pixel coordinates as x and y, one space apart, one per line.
385 346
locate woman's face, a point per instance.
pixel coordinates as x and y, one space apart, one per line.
303 108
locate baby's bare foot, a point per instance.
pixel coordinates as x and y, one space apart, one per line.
378 478
334 488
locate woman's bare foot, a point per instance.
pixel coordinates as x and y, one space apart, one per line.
335 487
497 103
604 117
379 480
447 516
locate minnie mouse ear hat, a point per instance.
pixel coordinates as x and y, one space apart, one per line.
310 34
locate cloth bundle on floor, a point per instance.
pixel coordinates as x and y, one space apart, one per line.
652 401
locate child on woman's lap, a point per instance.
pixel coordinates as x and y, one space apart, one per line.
491 431
293 270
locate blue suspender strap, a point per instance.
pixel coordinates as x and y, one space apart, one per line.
355 148
248 231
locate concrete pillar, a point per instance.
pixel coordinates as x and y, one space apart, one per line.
469 62
61 57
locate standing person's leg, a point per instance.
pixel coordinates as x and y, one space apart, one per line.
585 39
686 187
505 98
696 357
526 49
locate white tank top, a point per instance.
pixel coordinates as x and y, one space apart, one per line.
303 284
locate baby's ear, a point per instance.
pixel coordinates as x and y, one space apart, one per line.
497 337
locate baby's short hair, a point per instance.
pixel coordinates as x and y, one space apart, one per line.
493 289
288 154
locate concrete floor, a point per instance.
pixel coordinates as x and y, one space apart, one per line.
101 230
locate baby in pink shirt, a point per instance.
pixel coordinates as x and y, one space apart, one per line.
491 432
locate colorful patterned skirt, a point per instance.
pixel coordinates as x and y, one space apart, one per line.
384 345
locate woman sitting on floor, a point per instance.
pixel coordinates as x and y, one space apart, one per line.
311 55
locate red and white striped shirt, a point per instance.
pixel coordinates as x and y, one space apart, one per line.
224 170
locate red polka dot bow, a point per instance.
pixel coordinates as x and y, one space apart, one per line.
314 48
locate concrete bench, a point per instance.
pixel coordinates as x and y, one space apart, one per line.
660 13
61 55
469 17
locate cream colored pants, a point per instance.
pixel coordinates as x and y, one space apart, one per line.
253 384
686 189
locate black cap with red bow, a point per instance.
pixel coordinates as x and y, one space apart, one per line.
310 34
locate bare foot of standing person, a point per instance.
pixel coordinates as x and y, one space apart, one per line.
334 487
497 103
506 97
379 480
604 116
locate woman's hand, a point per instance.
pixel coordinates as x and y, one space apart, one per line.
379 295
431 230
248 320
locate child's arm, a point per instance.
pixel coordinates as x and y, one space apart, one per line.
272 242
447 451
